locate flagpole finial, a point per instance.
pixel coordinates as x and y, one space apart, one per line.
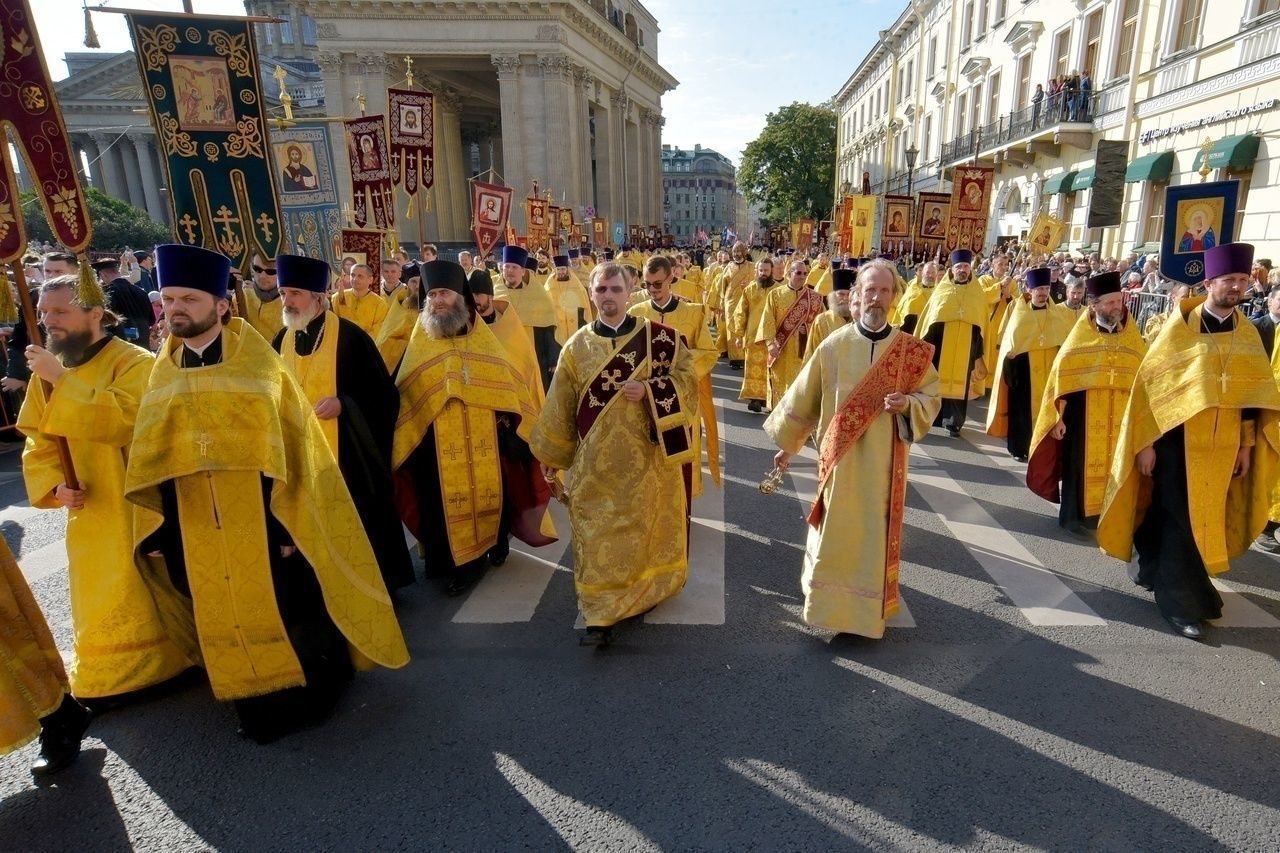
90 34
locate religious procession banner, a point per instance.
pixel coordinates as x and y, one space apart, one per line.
564 215
895 227
412 129
538 213
370 172
862 216
1047 233
1197 217
599 232
29 107
844 225
804 237
490 209
363 247
932 215
202 81
309 205
970 203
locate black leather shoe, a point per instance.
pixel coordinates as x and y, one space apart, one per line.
597 637
954 432
1190 630
755 406
1021 459
60 735
736 364
457 586
498 554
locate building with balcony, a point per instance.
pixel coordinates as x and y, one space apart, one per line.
957 82
700 197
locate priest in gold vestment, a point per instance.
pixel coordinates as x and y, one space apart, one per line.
532 303
908 309
955 321
465 480
120 643
1085 395
690 320
617 419
745 328
1192 474
869 391
844 301
361 304
35 699
1036 327
568 297
727 291
785 324
1000 288
242 511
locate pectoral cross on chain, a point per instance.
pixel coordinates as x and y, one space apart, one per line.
203 442
1223 381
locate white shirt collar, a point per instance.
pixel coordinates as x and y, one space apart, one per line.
865 328
200 349
1221 318
605 322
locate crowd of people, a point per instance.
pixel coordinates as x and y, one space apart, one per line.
240 463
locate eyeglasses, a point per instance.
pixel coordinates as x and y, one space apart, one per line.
604 288
266 270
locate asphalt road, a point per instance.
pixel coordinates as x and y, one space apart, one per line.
1032 698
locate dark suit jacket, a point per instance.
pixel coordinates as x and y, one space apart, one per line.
1267 329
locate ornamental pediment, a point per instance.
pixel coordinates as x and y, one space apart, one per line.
1023 35
974 68
115 78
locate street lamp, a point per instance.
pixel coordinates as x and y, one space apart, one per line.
911 154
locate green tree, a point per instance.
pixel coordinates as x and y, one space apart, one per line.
116 223
791 165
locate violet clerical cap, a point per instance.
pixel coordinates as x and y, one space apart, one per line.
191 266
302 272
1036 277
843 279
1102 284
1227 259
961 256
560 261
514 255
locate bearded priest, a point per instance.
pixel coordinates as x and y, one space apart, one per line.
954 321
243 512
789 313
343 377
869 390
465 480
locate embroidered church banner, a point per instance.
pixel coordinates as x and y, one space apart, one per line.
308 191
29 107
970 206
1197 217
490 208
203 88
370 172
412 138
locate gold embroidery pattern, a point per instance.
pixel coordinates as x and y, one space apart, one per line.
246 143
175 141
235 49
66 203
156 43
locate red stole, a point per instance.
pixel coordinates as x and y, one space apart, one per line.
808 305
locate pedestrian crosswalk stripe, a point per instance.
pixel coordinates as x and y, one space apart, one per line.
1041 596
44 561
511 592
993 448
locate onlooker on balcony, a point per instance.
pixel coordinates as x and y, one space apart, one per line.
1055 98
1071 95
1086 92
1036 101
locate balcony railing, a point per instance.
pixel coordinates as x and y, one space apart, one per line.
1022 123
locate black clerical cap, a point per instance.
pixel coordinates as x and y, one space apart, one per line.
531 263
178 265
1102 284
514 255
843 279
961 256
410 270
560 261
446 275
302 272
1038 277
479 282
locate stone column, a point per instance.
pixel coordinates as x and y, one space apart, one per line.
557 80
585 85
114 182
656 161
451 175
150 180
90 146
631 141
619 104
514 170
132 171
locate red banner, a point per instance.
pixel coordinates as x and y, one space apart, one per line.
29 105
538 212
599 232
805 234
370 172
490 210
412 138
970 205
364 246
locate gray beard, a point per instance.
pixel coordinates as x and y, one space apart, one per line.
844 312
297 322
447 325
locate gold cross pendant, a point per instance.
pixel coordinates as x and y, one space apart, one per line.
203 443
1223 382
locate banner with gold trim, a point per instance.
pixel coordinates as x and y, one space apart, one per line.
538 213
412 128
970 207
202 82
29 106
364 247
490 211
370 172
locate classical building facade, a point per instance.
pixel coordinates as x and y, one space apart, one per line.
565 92
956 82
700 197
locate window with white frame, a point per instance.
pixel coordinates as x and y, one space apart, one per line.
1061 52
1092 41
993 97
933 55
1126 37
1186 24
1022 97
966 25
1153 221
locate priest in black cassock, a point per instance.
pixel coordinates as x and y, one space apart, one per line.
343 376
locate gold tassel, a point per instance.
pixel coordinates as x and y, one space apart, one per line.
89 291
8 310
90 34
408 211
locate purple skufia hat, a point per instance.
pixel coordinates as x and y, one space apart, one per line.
961 256
1227 259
